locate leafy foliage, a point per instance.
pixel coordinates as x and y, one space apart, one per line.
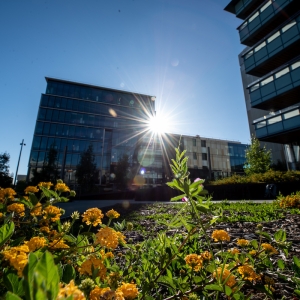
258 160
5 179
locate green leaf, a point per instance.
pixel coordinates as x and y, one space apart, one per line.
25 202
297 292
47 268
228 290
296 261
203 208
68 273
281 264
63 199
165 280
11 296
13 283
28 275
33 199
178 197
214 287
254 244
6 232
280 235
266 235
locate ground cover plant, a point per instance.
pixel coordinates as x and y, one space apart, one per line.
192 251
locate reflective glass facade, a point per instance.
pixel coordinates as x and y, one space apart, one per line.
72 116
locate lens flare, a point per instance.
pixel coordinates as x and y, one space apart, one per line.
158 124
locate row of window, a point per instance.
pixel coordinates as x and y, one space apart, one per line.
54 115
271 38
70 131
99 95
240 5
279 118
92 107
257 14
45 143
203 143
204 156
275 76
38 158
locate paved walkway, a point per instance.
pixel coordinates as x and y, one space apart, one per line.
83 205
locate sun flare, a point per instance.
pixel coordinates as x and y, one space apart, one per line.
158 125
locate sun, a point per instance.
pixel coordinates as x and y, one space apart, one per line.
158 125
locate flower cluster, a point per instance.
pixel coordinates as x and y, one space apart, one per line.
46 185
7 193
242 242
17 208
225 276
52 213
220 236
112 214
93 216
248 273
194 261
68 290
290 201
62 188
109 238
93 263
31 189
269 249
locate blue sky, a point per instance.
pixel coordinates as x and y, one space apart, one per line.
182 51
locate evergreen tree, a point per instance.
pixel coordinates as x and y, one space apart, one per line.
49 171
122 172
5 179
258 160
86 170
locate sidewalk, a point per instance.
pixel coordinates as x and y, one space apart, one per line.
83 205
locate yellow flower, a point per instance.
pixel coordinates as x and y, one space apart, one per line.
253 252
194 261
17 208
93 263
93 216
269 249
31 189
36 243
206 255
46 185
112 214
70 289
234 251
225 276
36 210
52 212
105 294
58 244
1 215
248 273
61 187
242 242
17 257
121 237
107 237
129 290
45 229
7 193
220 235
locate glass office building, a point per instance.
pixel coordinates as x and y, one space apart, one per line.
72 116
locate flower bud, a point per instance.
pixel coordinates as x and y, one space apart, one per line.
129 226
72 193
59 181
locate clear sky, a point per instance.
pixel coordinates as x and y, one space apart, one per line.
185 52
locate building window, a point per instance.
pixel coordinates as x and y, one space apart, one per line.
203 143
194 142
204 156
195 155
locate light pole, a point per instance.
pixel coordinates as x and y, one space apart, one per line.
22 144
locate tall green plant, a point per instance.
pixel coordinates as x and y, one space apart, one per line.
258 160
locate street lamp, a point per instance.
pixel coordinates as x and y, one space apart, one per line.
22 144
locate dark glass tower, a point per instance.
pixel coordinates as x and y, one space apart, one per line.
73 115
